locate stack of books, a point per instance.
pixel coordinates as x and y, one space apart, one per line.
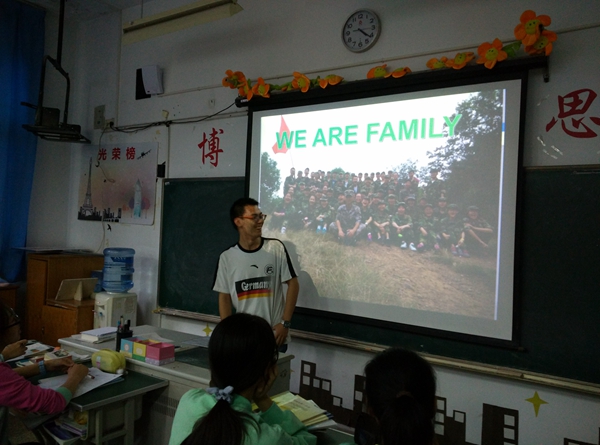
307 411
99 335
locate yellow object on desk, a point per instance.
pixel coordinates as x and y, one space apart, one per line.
108 360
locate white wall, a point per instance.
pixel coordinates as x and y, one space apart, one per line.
273 38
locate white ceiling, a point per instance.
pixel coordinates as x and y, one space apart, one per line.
85 9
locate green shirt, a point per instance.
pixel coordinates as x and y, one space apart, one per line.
275 426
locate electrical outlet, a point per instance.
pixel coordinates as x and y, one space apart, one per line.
99 121
108 123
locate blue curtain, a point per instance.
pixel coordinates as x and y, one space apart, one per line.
21 55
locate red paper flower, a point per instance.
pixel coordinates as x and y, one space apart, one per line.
234 79
261 88
528 31
301 82
490 53
434 64
543 45
460 60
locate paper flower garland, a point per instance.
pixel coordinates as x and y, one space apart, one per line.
530 32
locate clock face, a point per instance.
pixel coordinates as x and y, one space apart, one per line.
361 30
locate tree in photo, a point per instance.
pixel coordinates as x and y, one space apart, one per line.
471 159
270 181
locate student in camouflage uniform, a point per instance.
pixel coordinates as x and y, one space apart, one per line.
435 188
392 204
284 215
381 221
324 215
308 213
451 230
411 208
478 232
441 210
366 215
403 228
347 222
427 230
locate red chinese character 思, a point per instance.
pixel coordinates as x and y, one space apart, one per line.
573 104
130 153
210 147
102 154
116 154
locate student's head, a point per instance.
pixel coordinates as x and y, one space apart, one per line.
400 394
242 352
401 209
242 349
238 209
10 326
452 210
292 171
428 209
312 200
442 203
349 197
473 212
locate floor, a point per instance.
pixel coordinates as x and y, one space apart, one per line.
17 433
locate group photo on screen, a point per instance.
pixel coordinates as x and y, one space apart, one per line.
390 208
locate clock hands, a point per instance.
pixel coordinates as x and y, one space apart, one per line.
368 35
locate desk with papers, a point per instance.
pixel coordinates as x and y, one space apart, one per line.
189 370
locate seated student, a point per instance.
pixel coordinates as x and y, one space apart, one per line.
381 220
427 230
243 356
478 232
400 394
17 392
451 231
403 225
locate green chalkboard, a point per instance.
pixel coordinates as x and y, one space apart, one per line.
195 230
557 273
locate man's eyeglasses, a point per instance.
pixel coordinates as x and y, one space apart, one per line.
257 217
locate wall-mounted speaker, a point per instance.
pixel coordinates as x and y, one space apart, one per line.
148 81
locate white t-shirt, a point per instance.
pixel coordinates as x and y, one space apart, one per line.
255 279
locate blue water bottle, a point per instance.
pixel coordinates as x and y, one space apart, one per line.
118 269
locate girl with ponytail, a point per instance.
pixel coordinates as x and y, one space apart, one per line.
243 356
400 394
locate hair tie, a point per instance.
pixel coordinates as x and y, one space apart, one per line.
221 394
404 393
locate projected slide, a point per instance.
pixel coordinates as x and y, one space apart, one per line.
398 208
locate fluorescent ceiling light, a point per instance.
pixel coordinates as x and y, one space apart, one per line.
196 13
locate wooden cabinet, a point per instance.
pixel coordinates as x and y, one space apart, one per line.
47 320
65 318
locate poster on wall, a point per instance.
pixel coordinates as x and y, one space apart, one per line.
118 183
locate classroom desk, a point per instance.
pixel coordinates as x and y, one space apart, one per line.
112 409
182 376
104 400
333 436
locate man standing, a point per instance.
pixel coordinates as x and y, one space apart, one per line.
250 274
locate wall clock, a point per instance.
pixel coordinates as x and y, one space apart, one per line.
361 30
